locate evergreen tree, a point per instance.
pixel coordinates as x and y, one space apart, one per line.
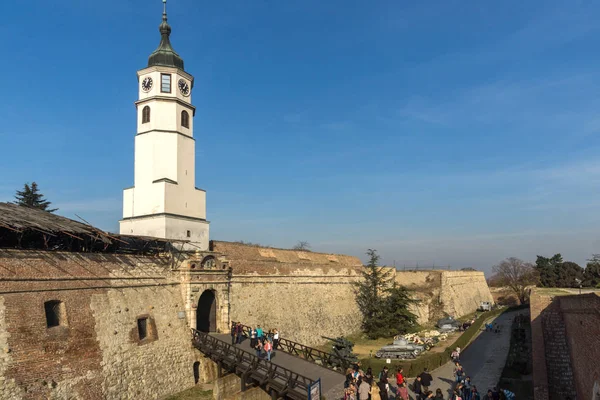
30 196
554 272
592 272
398 316
569 273
383 304
548 269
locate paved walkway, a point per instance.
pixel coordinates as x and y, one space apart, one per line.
332 383
483 360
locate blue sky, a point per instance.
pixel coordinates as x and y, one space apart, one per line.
447 132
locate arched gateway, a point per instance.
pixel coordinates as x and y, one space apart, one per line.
206 313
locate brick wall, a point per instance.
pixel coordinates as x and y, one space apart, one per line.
566 345
538 304
581 315
95 353
558 360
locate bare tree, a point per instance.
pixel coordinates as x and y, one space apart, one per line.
517 275
302 245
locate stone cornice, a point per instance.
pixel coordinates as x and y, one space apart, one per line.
165 131
171 70
165 215
167 180
167 98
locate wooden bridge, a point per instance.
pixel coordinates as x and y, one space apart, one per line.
294 372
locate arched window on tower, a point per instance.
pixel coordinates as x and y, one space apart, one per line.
185 119
145 115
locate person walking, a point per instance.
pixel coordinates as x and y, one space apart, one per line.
275 339
474 393
455 356
399 376
467 389
233 329
384 374
417 388
507 394
426 379
459 373
238 333
268 347
258 348
403 391
259 333
438 394
383 389
495 394
253 338
363 390
350 393
375 392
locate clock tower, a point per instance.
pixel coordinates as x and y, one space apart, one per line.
164 201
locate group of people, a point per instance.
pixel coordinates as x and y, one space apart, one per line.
260 340
364 386
495 327
361 385
464 389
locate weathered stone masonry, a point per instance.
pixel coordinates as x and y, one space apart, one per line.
303 294
110 301
95 353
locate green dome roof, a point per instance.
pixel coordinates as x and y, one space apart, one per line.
164 55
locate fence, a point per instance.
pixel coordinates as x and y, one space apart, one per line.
272 377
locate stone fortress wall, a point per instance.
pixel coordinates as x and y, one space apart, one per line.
442 292
302 294
306 294
97 353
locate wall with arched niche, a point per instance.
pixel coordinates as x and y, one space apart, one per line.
206 271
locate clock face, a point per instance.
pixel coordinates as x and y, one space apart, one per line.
184 88
147 84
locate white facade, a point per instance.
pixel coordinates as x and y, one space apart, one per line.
164 201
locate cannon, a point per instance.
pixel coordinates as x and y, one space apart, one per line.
342 351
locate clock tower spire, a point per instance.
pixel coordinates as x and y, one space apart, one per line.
164 201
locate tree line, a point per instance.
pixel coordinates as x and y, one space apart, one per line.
519 275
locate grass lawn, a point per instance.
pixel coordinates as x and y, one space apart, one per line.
552 291
195 393
363 346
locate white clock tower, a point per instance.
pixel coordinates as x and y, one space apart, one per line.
164 202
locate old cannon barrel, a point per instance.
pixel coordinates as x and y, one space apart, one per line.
331 339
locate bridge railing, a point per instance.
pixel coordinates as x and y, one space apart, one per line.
319 357
286 383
